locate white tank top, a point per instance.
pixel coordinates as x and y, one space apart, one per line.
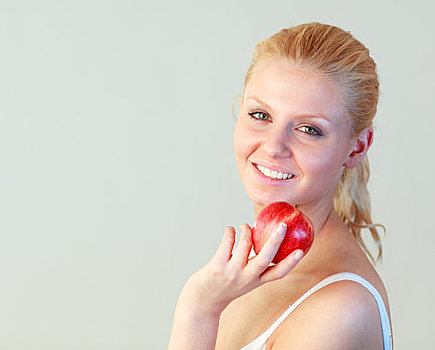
260 342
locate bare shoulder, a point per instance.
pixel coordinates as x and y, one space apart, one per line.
342 315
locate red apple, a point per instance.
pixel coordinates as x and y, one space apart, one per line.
300 230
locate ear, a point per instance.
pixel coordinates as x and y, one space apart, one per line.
360 148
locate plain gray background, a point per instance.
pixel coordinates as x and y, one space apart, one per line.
117 169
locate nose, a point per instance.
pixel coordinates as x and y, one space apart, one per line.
277 143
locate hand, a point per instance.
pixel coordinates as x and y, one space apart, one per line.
228 276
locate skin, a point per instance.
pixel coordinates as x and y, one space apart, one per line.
291 120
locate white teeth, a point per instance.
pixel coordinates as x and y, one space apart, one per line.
273 173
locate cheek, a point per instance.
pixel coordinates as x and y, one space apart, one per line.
241 141
236 142
327 163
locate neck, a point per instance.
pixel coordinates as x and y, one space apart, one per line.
257 209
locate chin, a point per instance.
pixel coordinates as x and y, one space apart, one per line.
264 200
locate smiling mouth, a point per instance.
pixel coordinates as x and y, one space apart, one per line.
278 175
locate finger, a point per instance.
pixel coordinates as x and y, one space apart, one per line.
223 253
267 253
241 254
281 269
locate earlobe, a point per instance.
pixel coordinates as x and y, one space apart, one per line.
360 148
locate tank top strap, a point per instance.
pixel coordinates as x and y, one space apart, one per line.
259 343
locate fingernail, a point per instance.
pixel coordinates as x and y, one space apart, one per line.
299 254
282 229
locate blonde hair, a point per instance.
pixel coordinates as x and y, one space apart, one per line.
336 54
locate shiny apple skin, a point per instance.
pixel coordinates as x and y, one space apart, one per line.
300 230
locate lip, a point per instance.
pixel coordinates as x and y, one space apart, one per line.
271 166
268 180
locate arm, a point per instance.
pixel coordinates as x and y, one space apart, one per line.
226 277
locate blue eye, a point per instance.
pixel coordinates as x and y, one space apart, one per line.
310 130
259 115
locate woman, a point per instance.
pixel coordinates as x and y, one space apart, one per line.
303 131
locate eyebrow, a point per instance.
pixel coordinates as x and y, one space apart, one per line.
256 99
311 116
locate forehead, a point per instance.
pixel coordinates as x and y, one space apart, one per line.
292 89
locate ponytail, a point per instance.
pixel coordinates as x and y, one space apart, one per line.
352 203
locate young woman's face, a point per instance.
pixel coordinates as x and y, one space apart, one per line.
292 136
